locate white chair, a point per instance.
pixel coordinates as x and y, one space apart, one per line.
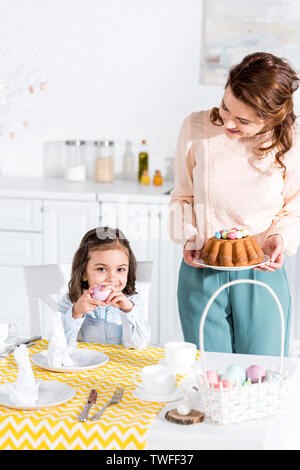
47 283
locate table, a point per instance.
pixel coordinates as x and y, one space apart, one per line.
122 426
134 424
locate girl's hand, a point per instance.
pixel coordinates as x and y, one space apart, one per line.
119 300
273 246
190 254
85 303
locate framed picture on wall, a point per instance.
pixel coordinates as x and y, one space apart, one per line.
235 28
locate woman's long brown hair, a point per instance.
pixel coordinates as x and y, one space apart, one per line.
100 238
266 83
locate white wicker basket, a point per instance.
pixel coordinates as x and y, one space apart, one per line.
242 403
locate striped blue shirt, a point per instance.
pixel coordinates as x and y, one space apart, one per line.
108 325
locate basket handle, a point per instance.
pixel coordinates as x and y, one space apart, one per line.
217 292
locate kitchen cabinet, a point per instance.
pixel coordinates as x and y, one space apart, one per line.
171 257
64 224
20 214
20 244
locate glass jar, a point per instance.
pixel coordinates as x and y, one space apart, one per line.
104 162
75 160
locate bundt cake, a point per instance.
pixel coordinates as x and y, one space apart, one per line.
232 248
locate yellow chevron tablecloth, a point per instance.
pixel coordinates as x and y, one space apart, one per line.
122 426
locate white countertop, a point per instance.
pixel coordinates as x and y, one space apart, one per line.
60 189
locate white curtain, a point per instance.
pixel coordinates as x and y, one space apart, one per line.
292 266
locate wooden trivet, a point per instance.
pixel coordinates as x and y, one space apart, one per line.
193 417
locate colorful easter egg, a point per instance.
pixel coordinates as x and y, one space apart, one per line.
239 235
100 293
235 372
225 384
255 373
212 377
225 235
232 235
218 235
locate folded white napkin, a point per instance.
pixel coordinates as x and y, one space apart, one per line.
25 391
58 351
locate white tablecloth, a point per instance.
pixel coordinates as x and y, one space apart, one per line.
278 433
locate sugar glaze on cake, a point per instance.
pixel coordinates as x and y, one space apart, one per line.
232 248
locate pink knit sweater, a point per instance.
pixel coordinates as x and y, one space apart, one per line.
221 183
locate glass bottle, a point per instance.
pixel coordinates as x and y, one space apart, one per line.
128 161
75 161
104 162
143 160
145 178
157 179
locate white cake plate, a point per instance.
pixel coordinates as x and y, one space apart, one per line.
232 268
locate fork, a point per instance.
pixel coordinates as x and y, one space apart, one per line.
116 398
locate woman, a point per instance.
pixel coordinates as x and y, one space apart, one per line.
239 166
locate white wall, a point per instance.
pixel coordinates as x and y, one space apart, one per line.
118 69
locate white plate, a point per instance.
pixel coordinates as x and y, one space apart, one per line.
83 359
180 370
232 268
141 394
51 394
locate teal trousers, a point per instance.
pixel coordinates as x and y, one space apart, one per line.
243 318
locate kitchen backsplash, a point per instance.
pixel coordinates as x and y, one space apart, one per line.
113 69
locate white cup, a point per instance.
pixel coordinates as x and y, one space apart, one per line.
156 380
180 354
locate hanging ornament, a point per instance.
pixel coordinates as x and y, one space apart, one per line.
26 124
11 135
31 89
42 85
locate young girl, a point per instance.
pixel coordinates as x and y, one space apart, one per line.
104 257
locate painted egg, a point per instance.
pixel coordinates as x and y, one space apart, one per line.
225 235
235 373
255 372
218 235
212 377
239 235
100 293
225 384
232 235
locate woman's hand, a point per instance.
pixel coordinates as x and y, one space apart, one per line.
273 246
190 253
85 303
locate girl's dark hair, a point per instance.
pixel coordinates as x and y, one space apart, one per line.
100 238
266 83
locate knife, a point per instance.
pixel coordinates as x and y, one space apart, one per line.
90 402
29 340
